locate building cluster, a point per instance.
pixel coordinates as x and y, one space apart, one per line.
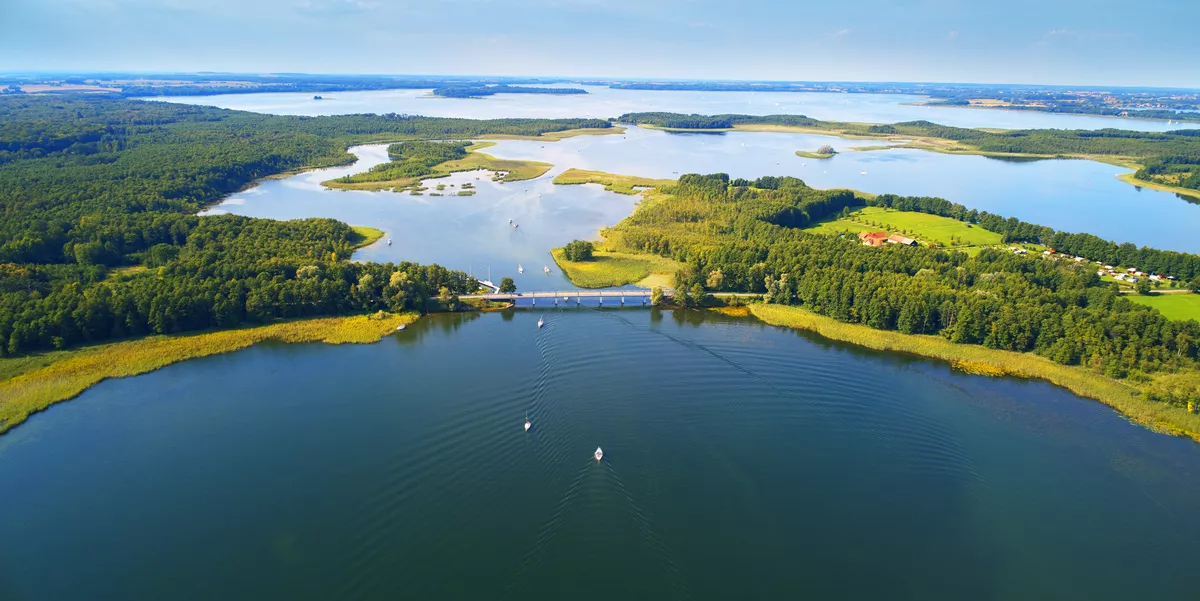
881 238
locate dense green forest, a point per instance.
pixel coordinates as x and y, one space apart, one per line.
745 236
477 91
411 159
1171 158
99 237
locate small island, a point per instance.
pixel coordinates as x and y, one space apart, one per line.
824 152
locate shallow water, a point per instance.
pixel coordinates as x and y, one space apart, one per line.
472 232
603 102
741 461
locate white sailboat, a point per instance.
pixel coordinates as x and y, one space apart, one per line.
389 241
546 268
599 454
528 424
541 322
520 269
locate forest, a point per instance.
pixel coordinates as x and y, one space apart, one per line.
1171 158
745 236
100 239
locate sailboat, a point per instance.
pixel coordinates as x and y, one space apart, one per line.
389 241
520 269
599 454
546 268
541 322
528 424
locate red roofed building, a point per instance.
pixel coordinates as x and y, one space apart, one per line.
873 238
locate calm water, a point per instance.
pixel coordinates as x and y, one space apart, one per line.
741 461
472 232
605 102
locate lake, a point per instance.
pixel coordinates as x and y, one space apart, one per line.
741 461
604 102
472 232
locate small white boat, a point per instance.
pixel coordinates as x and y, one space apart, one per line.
401 327
520 269
389 241
599 454
862 172
528 424
541 322
546 268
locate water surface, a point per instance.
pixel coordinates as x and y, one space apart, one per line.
604 102
741 461
472 232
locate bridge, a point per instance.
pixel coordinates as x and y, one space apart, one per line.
620 296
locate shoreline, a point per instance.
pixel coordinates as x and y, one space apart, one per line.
942 146
1126 400
33 386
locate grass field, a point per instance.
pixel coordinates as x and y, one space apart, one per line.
618 269
929 229
621 184
514 171
984 361
1178 307
366 235
32 383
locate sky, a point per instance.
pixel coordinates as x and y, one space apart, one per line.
1081 42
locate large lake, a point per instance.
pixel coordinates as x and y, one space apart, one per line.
741 462
472 232
606 102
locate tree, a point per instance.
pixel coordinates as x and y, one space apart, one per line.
698 295
826 149
1142 286
656 295
448 299
579 250
1195 285
715 279
507 285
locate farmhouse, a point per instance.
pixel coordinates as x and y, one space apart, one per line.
898 239
873 238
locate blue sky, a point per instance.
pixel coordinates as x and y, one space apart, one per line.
1102 42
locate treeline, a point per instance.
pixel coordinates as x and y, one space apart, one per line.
100 239
481 91
680 121
1184 266
411 159
228 271
727 233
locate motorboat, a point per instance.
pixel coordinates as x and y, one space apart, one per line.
389 241
400 328
546 268
528 424
520 269
541 322
599 454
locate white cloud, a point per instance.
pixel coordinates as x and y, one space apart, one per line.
842 32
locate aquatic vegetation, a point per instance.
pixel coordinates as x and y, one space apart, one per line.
36 382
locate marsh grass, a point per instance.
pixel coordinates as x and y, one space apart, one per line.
621 184
617 269
1122 396
33 383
